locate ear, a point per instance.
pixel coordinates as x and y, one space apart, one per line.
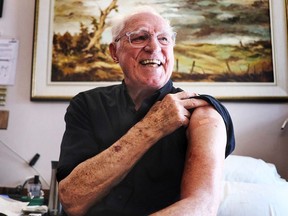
113 49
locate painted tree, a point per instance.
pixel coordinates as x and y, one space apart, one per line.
99 26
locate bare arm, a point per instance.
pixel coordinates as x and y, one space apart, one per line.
91 180
201 182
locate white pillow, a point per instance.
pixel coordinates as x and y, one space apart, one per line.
248 169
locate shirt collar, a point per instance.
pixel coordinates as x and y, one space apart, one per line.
157 96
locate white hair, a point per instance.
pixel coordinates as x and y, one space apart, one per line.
119 22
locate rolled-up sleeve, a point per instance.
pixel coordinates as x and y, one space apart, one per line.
230 146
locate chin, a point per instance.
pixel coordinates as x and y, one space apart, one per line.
157 83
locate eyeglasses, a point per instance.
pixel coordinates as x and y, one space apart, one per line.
139 39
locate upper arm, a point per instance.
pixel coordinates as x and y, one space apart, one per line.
205 154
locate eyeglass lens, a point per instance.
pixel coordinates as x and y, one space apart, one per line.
141 38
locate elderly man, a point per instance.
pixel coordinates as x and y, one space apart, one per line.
143 147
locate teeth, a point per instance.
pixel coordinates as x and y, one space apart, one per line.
151 61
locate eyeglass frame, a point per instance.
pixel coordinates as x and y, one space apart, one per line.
128 34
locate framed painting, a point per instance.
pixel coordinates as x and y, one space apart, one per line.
233 50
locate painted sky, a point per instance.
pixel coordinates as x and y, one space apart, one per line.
213 21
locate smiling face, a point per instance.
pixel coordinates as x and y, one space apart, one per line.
148 67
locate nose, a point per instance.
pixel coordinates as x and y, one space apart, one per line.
153 45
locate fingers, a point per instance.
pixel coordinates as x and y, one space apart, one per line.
179 104
187 100
186 118
185 95
193 103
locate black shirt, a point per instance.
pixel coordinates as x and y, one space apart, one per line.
97 118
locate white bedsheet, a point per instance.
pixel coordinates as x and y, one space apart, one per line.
250 199
252 187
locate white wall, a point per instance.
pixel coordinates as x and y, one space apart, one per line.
37 127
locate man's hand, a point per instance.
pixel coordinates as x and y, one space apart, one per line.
172 112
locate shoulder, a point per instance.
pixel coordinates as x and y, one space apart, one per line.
94 97
98 92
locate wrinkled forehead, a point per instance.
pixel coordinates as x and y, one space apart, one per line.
148 21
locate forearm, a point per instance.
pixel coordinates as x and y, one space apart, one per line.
193 206
91 180
203 200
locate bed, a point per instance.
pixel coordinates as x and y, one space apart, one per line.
252 187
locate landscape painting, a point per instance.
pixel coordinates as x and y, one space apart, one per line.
230 49
218 41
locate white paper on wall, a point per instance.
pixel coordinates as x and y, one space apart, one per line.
8 60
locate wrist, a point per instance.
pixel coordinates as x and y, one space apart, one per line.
145 131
